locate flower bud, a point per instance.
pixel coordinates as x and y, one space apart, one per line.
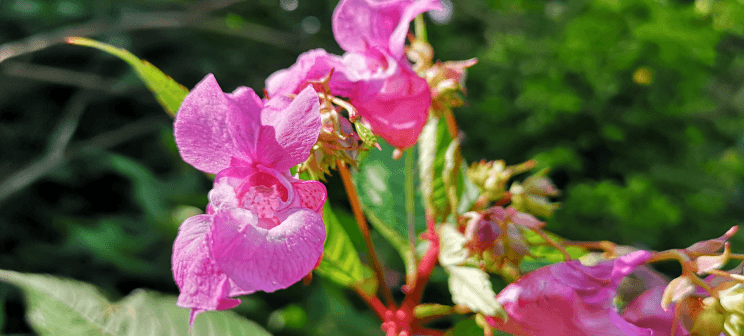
711 320
732 301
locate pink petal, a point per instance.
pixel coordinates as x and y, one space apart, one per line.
399 111
645 311
310 195
201 127
259 259
359 25
598 283
244 125
569 299
313 65
288 133
203 285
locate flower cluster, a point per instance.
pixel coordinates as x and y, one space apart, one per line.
263 229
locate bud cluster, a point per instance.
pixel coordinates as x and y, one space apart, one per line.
338 141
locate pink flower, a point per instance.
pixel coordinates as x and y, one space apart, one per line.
263 230
374 73
572 299
375 32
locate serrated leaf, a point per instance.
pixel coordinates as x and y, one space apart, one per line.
469 286
340 262
59 306
169 93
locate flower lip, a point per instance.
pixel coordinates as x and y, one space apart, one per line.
262 181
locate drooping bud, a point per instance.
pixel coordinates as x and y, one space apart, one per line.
421 55
338 139
678 289
707 263
447 80
532 196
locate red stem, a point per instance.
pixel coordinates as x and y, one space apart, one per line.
425 267
373 302
356 207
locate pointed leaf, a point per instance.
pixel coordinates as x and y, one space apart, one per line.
169 93
58 306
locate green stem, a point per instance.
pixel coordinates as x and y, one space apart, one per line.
411 202
420 28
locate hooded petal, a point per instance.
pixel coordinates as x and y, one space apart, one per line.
203 285
259 259
202 130
289 130
398 112
359 25
569 299
313 65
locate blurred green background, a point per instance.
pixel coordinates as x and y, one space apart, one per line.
637 106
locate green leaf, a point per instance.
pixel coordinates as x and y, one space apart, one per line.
542 255
58 306
169 93
381 185
434 164
469 286
340 262
450 174
433 144
427 149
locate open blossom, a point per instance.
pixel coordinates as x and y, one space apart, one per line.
572 299
374 74
263 230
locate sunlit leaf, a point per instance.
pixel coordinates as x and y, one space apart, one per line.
169 93
340 261
469 286
58 306
381 185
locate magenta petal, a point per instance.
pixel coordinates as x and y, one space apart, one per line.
288 134
203 285
645 311
313 65
569 299
399 111
598 283
310 194
359 25
201 126
259 259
